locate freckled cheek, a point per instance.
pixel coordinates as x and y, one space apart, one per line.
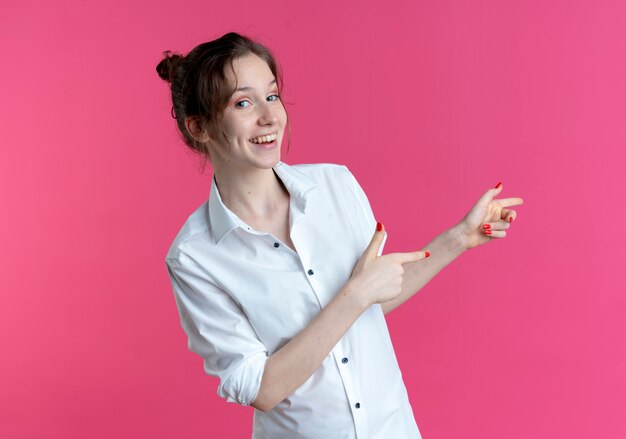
283 118
233 131
227 128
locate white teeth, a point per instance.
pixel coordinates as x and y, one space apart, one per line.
264 139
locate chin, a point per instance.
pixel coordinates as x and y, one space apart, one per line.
273 161
264 161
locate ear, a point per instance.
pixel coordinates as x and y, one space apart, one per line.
192 123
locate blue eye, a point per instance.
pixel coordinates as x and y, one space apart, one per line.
271 98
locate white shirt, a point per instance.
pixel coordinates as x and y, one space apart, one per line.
242 294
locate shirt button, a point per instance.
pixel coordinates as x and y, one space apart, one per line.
344 360
358 405
310 272
276 245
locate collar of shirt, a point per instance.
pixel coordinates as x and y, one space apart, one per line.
223 220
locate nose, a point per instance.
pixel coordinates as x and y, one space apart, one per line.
268 114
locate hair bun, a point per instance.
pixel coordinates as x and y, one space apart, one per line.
168 64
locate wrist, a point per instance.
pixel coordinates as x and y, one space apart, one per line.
353 294
458 239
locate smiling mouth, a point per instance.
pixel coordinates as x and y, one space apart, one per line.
270 138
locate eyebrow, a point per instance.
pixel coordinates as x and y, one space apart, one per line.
273 81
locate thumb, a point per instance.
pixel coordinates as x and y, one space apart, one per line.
490 194
373 249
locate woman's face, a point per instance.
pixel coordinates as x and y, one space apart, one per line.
253 111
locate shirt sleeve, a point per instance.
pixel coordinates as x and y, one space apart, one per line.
367 221
218 331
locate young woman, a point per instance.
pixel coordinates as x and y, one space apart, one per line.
278 277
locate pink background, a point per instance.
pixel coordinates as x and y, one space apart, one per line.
428 103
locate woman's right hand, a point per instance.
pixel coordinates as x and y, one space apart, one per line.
378 279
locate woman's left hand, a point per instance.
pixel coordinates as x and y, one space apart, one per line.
488 219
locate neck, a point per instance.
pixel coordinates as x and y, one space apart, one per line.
254 193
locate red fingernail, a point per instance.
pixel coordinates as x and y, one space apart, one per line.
488 232
427 254
379 227
510 219
486 226
498 185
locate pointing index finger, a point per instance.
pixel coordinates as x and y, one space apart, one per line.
403 258
506 202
